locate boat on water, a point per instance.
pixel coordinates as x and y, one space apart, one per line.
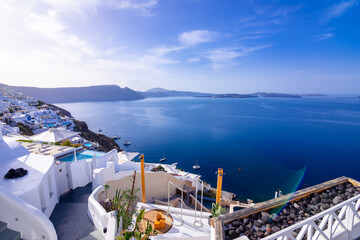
100 130
116 137
163 159
127 143
196 166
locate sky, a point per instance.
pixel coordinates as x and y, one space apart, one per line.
227 46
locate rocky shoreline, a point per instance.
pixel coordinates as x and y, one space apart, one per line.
263 224
106 143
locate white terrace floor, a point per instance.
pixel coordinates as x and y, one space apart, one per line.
187 230
45 149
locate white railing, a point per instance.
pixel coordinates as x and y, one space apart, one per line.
24 218
182 203
339 222
199 221
101 219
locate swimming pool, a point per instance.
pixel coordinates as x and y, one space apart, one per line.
82 156
88 144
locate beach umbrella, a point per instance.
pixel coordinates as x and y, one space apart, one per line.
127 156
54 135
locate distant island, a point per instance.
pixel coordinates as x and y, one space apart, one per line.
79 94
263 95
229 95
116 93
161 92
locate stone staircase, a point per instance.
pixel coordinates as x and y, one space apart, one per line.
8 234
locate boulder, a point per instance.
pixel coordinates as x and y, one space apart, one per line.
248 232
236 223
337 200
257 224
260 233
275 229
233 234
265 217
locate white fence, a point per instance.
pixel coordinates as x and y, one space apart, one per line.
24 218
339 222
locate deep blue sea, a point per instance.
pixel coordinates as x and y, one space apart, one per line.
278 143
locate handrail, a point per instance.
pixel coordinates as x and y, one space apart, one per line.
202 195
25 218
182 202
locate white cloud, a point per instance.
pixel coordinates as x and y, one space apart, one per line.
226 57
143 6
285 11
192 38
324 36
73 6
194 59
158 55
338 10
38 49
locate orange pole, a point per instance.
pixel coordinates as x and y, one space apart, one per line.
220 174
143 178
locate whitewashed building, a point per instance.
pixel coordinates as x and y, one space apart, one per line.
27 202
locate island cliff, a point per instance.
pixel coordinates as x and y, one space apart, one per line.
79 94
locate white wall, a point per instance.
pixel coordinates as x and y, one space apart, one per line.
62 178
25 218
80 175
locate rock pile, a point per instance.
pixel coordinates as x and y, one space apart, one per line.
261 225
15 173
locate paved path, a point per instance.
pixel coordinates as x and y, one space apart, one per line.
70 215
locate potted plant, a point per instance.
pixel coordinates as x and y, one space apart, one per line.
136 233
216 211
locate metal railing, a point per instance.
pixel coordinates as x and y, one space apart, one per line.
339 222
196 221
182 202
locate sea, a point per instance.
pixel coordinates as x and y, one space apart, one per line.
262 144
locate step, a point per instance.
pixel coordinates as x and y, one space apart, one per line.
95 235
3 226
9 234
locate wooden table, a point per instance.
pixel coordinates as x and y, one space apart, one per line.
151 217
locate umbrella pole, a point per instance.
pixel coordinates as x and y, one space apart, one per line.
75 158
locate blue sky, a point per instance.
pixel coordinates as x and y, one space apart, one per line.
208 46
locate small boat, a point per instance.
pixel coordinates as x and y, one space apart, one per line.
116 137
127 143
196 166
100 130
163 158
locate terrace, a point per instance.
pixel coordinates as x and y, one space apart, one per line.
325 211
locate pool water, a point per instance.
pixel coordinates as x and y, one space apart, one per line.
87 144
82 156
